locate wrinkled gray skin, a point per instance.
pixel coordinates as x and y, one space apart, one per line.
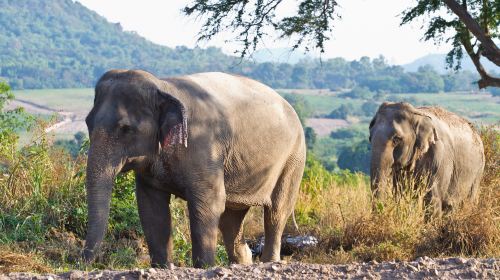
221 142
438 148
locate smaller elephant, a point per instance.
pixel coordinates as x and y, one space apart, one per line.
437 148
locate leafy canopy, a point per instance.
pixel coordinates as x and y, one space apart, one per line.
460 31
249 20
473 25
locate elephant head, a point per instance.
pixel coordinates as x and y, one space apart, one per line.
400 136
133 118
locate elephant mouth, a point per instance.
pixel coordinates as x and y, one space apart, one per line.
133 163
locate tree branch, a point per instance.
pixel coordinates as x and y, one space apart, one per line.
486 80
491 50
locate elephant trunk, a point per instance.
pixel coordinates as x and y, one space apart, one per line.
380 170
100 178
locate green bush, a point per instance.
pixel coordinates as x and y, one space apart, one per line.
359 93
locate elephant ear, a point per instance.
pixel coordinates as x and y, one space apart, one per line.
372 123
173 122
425 135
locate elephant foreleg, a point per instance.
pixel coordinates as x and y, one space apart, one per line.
154 213
231 226
205 204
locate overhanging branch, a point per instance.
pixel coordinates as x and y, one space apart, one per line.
490 49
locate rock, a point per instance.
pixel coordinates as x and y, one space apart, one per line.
460 260
152 270
350 268
275 267
434 272
236 266
412 268
217 272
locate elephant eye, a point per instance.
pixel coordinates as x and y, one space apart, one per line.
125 128
396 140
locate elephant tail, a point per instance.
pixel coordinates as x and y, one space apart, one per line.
294 221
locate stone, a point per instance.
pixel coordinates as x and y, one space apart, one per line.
152 270
412 268
256 270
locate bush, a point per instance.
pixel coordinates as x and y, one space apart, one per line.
349 132
356 157
342 112
359 93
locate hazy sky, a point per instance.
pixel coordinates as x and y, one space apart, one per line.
367 27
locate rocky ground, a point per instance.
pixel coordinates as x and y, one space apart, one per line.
422 268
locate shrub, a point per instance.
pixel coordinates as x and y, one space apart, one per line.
342 112
359 93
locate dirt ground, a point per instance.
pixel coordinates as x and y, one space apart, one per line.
421 268
324 126
67 122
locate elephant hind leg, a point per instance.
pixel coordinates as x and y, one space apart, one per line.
231 225
282 204
474 191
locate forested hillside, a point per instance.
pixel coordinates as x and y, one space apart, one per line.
62 44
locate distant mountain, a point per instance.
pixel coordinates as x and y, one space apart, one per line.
437 61
280 55
61 43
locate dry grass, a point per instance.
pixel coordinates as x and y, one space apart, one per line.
11 261
351 230
42 218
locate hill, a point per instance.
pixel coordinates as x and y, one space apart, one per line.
61 43
437 61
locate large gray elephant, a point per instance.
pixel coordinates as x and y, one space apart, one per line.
435 147
222 142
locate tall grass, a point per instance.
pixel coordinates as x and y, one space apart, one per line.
43 216
397 229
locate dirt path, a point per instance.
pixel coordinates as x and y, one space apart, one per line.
422 268
70 121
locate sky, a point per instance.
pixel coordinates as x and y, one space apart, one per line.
367 28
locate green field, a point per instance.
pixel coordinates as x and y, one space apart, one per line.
479 108
78 100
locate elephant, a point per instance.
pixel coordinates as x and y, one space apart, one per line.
438 149
221 142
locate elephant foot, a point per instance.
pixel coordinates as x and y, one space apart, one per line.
169 266
243 255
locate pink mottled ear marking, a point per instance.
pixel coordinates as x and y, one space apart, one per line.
172 121
174 136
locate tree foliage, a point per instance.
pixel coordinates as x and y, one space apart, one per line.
249 20
473 25
10 121
62 44
356 157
